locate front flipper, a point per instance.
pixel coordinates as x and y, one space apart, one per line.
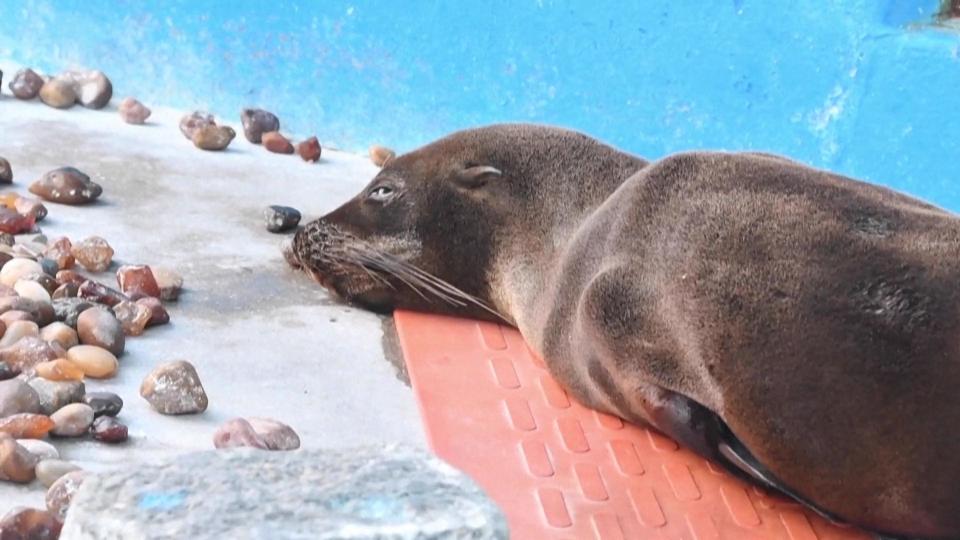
703 431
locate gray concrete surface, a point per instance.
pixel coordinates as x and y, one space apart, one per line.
265 340
383 492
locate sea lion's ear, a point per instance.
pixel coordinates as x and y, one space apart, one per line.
476 177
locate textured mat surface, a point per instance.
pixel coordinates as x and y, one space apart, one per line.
561 471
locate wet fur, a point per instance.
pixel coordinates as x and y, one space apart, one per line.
726 299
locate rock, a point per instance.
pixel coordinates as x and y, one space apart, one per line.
29 351
72 420
213 138
68 310
256 122
58 93
158 313
7 239
387 491
14 315
100 293
26 84
96 362
70 276
32 290
61 493
55 395
100 327
17 397
133 317
67 290
104 403
29 524
41 312
109 430
133 112
30 207
17 269
16 463
42 449
262 433
93 253
50 470
18 329
309 150
45 280
380 155
169 282
192 123
61 251
277 143
6 173
174 388
26 425
67 185
137 279
92 88
13 222
281 218
49 266
60 369
61 333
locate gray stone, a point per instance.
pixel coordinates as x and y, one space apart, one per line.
55 395
17 397
382 492
68 310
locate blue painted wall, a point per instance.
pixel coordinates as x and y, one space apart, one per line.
870 88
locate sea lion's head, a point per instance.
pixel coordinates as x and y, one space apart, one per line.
428 231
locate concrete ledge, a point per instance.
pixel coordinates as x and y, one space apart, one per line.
383 492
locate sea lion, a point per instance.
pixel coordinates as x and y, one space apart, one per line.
798 327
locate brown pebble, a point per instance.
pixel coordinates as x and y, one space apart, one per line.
30 207
100 327
66 185
70 276
42 312
137 279
60 369
67 290
93 253
72 420
14 315
18 328
214 138
133 112
380 155
263 433
28 352
17 269
30 524
26 84
193 122
133 317
60 333
96 362
61 251
17 464
174 388
92 88
277 143
61 493
100 293
237 433
109 430
170 282
309 149
26 425
58 93
158 313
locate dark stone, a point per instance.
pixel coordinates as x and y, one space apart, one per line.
103 403
109 430
256 122
7 371
69 309
281 218
6 173
50 266
26 84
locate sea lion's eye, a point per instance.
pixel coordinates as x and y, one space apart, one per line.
381 193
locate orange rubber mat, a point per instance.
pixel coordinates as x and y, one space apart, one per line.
561 471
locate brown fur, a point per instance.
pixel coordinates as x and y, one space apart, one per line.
816 316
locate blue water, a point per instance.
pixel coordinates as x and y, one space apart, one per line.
864 87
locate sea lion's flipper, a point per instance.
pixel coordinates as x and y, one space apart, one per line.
703 431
